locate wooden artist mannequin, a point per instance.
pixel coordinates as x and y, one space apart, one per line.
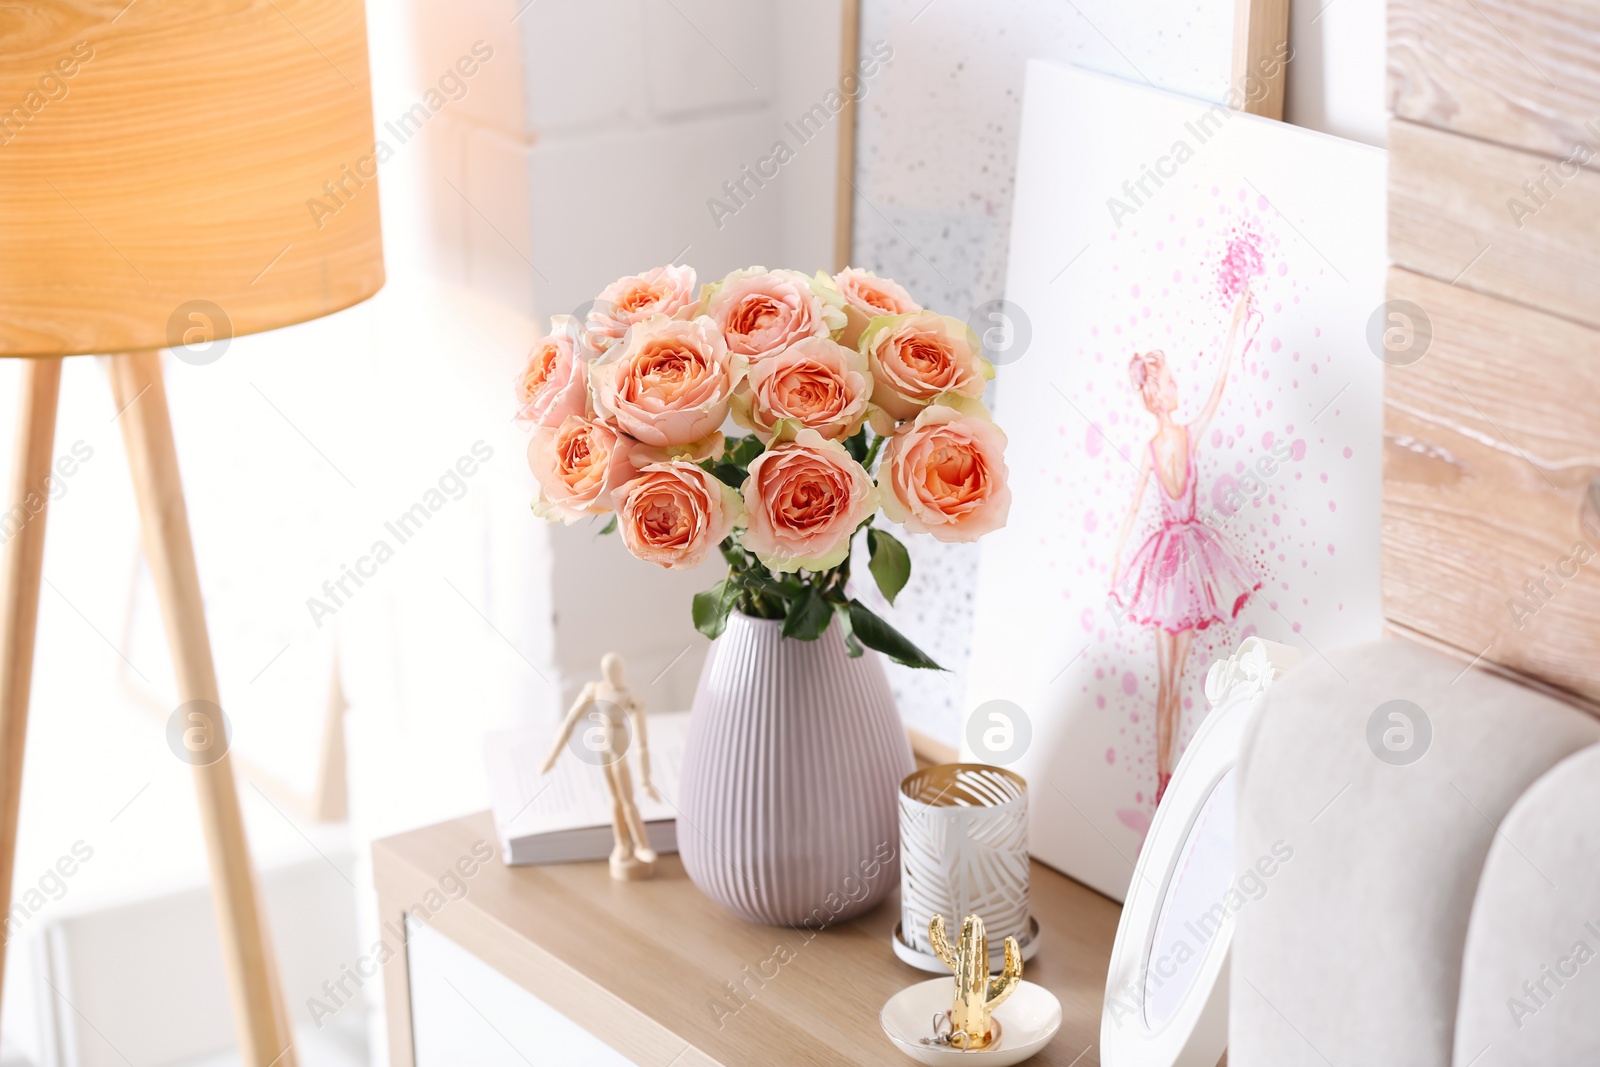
612 707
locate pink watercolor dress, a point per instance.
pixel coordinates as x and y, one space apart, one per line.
1184 577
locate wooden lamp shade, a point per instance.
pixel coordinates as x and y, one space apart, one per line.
181 166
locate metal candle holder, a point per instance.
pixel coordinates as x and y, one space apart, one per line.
963 851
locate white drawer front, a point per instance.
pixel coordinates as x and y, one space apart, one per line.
464 1011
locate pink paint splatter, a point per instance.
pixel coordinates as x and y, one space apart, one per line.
1130 684
1240 262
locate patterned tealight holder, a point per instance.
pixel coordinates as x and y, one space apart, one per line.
963 851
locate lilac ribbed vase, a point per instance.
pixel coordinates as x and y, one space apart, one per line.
791 774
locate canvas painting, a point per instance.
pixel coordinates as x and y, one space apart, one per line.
1195 423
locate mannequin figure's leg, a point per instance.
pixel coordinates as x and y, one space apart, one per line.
641 841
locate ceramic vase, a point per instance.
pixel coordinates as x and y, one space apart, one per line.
791 772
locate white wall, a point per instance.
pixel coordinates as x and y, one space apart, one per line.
1337 78
937 146
592 140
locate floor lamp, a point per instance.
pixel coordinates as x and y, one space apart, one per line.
173 173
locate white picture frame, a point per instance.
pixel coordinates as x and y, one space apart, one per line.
1166 1001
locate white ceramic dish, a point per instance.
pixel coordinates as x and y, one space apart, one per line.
1028 1019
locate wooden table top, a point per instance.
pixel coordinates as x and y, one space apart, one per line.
665 976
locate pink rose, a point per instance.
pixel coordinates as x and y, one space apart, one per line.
804 500
820 385
577 465
554 383
761 312
867 297
673 513
667 290
672 383
917 357
945 475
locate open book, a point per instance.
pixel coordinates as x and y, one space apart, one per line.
566 815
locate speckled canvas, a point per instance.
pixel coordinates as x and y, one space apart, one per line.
936 154
1180 483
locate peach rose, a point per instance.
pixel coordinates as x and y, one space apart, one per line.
667 290
577 465
762 312
672 383
554 382
820 385
919 356
804 500
945 474
674 513
867 297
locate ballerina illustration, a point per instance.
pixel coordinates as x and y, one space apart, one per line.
1184 577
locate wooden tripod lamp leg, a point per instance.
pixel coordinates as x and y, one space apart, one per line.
259 1015
22 527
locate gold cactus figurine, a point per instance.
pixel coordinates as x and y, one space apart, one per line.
976 993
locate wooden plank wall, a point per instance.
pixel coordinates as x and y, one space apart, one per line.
1491 533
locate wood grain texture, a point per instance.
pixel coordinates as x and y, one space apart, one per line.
1521 72
1491 446
22 527
844 193
1459 211
247 954
1260 37
154 154
643 966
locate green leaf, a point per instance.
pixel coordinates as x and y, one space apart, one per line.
875 633
736 556
609 527
852 647
889 563
808 616
856 445
710 609
744 450
726 473
786 587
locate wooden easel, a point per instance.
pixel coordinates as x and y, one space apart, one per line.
141 400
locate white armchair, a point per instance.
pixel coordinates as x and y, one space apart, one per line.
1440 864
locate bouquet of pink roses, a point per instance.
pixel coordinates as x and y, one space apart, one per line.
855 399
